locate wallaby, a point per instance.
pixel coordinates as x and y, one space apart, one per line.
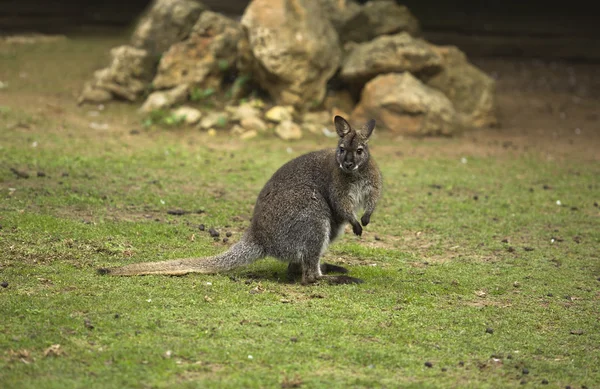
301 209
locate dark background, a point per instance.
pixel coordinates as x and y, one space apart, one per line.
532 29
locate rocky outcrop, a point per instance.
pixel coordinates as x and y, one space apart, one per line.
470 90
294 50
166 22
202 59
282 65
390 54
402 104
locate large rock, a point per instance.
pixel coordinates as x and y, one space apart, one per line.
203 58
356 23
390 54
377 18
470 90
127 76
343 14
166 22
403 104
294 49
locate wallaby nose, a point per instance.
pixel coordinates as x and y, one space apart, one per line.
348 164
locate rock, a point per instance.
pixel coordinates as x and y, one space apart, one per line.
126 77
253 123
237 130
279 114
93 95
356 23
165 99
242 111
214 119
205 57
343 15
320 117
471 91
294 50
191 115
288 130
390 54
383 18
404 105
249 135
165 23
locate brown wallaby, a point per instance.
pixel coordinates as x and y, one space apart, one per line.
299 212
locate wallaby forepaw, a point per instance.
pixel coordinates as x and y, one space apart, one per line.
365 219
357 229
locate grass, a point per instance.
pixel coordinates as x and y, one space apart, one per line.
471 267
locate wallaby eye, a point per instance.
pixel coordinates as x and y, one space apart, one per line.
341 149
359 151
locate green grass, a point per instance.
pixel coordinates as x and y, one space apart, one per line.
442 268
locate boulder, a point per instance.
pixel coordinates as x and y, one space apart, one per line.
294 50
344 15
470 89
390 54
165 99
205 57
164 23
127 76
402 104
356 23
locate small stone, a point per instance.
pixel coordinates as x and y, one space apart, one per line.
225 240
525 371
576 332
201 227
475 197
249 135
4 284
288 130
253 123
214 119
41 174
237 130
279 114
544 382
88 324
489 330
214 233
428 364
190 115
444 369
228 234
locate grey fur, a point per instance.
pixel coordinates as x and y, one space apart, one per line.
299 212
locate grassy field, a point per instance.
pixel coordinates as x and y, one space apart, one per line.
481 265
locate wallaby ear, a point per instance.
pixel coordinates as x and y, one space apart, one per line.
368 128
341 126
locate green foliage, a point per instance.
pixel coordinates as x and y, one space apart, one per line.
163 117
198 94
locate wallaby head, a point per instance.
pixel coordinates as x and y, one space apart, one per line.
353 150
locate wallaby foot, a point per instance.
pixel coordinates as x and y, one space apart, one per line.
342 280
327 268
294 270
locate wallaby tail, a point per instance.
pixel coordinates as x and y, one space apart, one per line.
242 253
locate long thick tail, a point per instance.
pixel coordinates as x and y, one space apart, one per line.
242 253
